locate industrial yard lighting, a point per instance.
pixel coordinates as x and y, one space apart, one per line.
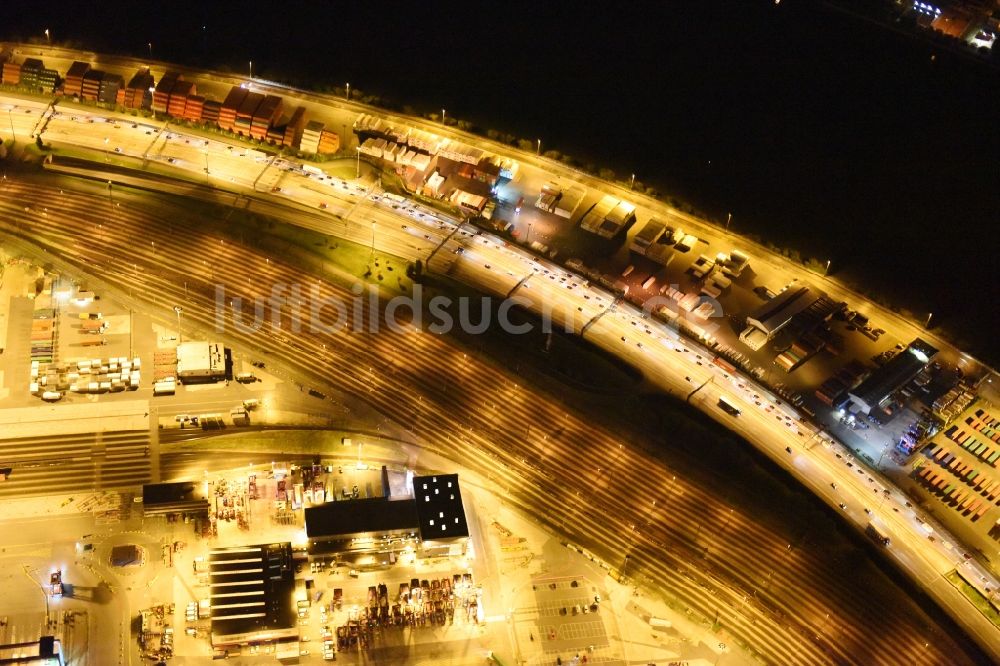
178 309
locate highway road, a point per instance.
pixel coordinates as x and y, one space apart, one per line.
772 594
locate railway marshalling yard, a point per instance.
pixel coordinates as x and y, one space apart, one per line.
553 497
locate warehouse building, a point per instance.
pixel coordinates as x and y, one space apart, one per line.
770 317
431 521
251 591
201 361
878 387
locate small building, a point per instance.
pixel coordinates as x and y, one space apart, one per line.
251 594
47 80
201 361
74 78
879 386
30 70
126 555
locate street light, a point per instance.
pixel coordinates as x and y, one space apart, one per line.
358 174
48 37
13 138
178 309
442 117
348 96
632 182
928 323
371 257
251 70
729 218
827 269
106 157
538 146
150 45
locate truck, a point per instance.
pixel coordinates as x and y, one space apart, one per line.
876 535
728 407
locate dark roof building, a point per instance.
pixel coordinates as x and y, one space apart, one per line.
772 316
440 513
900 370
434 516
251 593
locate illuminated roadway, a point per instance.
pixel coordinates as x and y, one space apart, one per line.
816 466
